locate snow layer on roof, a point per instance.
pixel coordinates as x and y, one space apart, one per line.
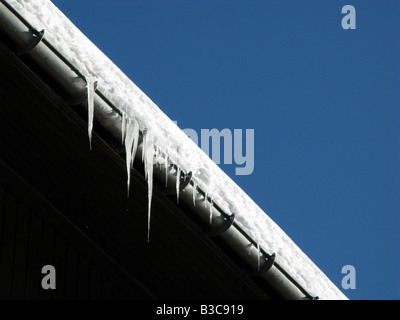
123 93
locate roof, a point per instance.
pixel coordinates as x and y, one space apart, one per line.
94 178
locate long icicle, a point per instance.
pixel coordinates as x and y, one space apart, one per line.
135 140
123 127
90 98
148 157
178 173
129 136
211 211
178 183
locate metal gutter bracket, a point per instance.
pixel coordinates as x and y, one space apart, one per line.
269 262
185 179
37 36
227 224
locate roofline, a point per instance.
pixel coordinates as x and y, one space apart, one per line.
29 41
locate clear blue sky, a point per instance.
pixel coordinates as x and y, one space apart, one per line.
324 103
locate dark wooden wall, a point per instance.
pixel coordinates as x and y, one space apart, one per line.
64 204
34 234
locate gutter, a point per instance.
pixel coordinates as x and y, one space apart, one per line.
71 85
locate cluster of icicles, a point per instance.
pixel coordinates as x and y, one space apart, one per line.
156 150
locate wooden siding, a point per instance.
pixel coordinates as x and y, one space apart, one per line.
34 234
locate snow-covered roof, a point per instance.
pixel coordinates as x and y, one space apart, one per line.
140 113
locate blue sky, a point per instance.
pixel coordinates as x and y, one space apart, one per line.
323 101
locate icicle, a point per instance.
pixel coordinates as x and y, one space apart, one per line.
205 200
178 183
148 154
166 171
131 141
135 140
211 210
144 133
128 154
194 194
258 256
90 98
123 127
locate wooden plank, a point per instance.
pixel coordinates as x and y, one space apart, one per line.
71 276
118 293
21 253
107 289
84 278
60 266
7 245
48 257
2 201
96 285
34 267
